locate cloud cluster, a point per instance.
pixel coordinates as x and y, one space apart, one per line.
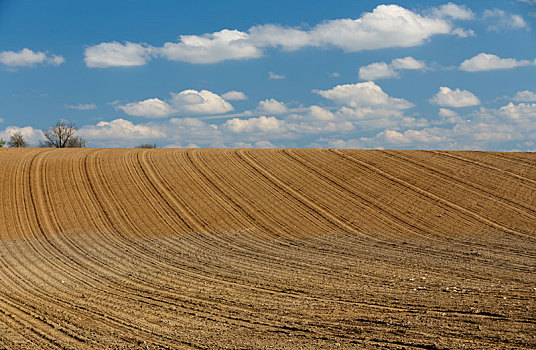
386 26
29 58
363 94
447 97
382 70
115 54
186 102
484 62
525 96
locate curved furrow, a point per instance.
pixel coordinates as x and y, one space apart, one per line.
347 194
274 210
303 200
461 190
520 165
454 206
484 165
409 208
469 183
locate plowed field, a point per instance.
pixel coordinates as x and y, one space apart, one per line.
149 249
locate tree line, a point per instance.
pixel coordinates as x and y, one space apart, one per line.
63 134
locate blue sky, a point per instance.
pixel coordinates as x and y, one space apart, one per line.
359 74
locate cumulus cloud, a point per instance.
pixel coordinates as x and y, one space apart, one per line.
382 70
502 21
82 106
447 97
199 102
211 48
412 137
29 58
319 113
150 108
115 54
526 111
453 11
407 63
234 96
120 129
261 124
363 94
386 26
182 103
484 62
273 35
525 96
272 106
377 70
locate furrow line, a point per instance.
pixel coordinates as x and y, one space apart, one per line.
305 201
432 196
484 165
338 183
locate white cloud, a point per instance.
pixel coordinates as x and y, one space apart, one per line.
183 103
377 70
150 108
463 33
410 137
407 63
454 98
386 26
525 96
115 54
484 62
363 94
234 96
502 21
272 106
273 35
82 106
121 130
211 48
261 124
31 135
447 113
453 11
199 102
319 113
29 58
520 111
381 70
274 76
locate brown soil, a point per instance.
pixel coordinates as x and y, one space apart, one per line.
148 249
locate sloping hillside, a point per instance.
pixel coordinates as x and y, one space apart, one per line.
267 248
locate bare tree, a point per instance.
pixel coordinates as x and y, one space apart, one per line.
76 142
62 134
17 140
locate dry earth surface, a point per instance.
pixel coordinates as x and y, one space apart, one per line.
149 249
